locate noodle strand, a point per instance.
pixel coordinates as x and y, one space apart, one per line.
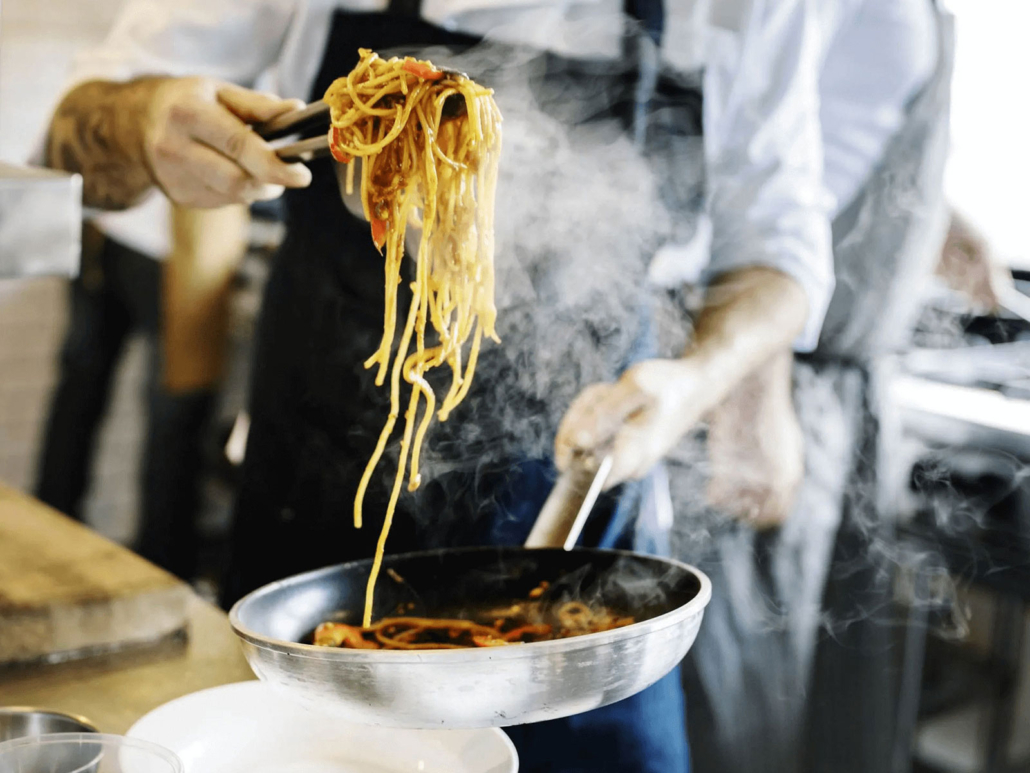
427 162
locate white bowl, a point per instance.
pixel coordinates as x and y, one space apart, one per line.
250 728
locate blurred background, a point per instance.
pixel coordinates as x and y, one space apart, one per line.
958 450
39 43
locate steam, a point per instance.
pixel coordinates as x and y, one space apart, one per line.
580 215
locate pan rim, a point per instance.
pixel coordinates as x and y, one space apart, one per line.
673 617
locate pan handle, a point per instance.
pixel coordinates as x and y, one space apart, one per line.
565 512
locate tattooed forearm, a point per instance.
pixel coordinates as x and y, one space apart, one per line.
97 131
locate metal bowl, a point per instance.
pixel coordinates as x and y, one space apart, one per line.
85 753
21 721
470 688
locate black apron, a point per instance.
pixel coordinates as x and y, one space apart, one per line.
316 413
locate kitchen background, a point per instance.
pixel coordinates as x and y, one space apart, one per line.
964 418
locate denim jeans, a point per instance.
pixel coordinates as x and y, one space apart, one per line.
645 733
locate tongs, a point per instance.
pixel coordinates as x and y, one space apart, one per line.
565 512
311 124
310 120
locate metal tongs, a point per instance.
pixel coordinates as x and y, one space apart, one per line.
311 125
310 120
565 512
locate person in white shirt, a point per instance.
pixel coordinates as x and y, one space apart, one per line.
792 131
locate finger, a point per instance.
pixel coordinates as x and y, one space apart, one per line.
768 510
214 198
221 130
221 179
603 415
255 106
565 445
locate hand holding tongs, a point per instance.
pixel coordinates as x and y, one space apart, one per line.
311 124
565 512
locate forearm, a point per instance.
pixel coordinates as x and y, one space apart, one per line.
207 247
750 315
97 132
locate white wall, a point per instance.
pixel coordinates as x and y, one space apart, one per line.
989 170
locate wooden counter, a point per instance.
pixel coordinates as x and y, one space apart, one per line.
113 691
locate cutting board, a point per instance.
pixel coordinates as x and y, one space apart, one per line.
67 592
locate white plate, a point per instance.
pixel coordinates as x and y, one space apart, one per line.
248 728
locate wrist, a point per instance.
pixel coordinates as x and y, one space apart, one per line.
99 131
142 102
690 384
713 367
750 316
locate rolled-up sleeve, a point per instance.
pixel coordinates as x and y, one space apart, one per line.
763 148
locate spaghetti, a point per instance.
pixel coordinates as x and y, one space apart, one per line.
429 141
521 623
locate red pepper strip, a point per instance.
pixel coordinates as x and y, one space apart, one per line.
334 139
423 71
378 232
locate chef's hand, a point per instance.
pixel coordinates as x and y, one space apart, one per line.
968 265
637 420
750 315
189 136
756 449
202 151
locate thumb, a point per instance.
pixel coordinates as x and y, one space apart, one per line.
255 106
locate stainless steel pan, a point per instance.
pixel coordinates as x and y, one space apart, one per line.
483 687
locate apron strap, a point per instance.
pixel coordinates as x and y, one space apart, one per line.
640 47
409 8
650 14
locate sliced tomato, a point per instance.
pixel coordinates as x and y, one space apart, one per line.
334 140
378 232
423 71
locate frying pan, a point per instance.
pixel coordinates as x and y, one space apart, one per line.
488 686
480 687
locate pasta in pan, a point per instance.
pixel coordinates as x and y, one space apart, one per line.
523 622
429 141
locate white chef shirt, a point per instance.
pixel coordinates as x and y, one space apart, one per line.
801 97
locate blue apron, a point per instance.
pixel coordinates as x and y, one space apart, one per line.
316 415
